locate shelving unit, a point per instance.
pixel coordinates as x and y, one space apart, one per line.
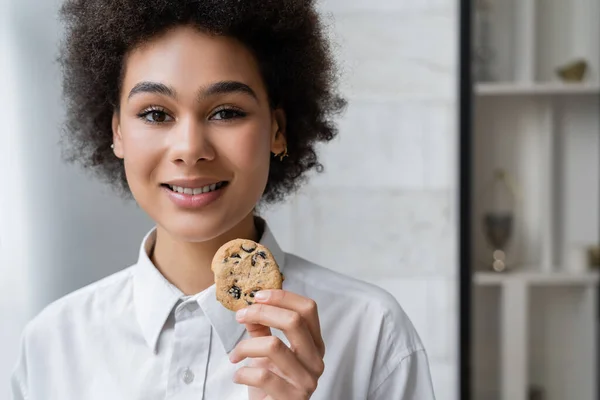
537 89
584 279
535 327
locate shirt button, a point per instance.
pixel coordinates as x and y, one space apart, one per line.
188 376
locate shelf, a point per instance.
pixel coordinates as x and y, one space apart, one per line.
537 278
536 325
536 89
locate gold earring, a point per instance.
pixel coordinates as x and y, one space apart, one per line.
283 154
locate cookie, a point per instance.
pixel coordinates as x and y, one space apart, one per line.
243 267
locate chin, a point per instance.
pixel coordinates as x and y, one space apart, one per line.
200 227
190 229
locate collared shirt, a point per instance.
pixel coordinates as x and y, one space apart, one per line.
135 336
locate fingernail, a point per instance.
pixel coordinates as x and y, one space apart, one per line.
241 313
262 296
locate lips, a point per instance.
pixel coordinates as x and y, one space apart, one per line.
194 196
195 190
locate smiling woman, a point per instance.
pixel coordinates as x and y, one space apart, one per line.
194 113
200 110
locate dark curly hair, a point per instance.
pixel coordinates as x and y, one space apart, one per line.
286 36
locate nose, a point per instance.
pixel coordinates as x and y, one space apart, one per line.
190 143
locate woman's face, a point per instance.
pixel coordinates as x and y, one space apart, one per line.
195 131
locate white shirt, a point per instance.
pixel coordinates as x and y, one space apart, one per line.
133 335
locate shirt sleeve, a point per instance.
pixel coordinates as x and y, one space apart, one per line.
409 380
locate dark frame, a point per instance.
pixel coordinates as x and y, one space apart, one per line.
465 184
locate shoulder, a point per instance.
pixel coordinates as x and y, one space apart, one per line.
363 304
61 325
360 322
87 303
329 281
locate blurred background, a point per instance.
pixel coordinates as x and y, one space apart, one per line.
503 247
535 188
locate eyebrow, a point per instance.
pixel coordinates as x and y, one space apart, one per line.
222 87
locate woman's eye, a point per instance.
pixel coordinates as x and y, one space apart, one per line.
227 113
155 117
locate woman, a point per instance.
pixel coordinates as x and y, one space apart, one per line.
203 110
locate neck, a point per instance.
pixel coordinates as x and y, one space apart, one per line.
187 264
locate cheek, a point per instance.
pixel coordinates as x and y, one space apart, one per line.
141 150
249 153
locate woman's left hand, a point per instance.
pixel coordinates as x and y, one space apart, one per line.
279 372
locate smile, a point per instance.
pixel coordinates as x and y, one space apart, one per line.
198 190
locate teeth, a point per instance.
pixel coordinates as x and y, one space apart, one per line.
204 189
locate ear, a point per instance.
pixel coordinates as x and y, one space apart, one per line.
278 131
117 138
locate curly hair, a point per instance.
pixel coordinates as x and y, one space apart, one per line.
286 36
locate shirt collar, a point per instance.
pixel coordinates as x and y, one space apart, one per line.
155 297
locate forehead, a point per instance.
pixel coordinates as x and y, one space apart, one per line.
186 59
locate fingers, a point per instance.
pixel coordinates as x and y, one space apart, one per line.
287 373
293 326
307 308
280 355
256 330
270 383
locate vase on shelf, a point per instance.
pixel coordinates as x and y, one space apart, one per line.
499 218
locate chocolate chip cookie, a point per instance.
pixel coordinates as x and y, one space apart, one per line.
243 267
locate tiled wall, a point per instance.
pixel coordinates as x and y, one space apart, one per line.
390 187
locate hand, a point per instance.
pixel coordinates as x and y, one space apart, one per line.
279 372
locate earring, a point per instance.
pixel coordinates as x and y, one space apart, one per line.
283 154
112 146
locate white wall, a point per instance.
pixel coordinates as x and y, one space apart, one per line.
14 296
385 210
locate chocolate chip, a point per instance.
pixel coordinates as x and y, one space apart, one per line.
249 249
235 292
236 255
261 254
249 302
